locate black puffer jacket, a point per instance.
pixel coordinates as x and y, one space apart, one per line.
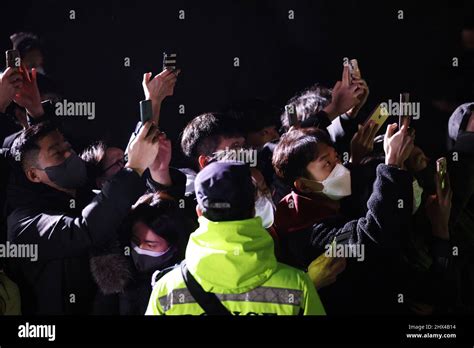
372 285
65 229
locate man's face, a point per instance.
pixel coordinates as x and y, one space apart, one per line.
231 143
146 239
321 167
33 59
54 150
266 135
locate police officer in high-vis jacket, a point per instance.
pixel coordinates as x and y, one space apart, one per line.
230 266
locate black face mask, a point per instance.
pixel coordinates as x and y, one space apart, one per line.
70 174
148 261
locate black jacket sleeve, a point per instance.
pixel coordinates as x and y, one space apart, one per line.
389 212
49 114
58 235
176 190
318 120
341 130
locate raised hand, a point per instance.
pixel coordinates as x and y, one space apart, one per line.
29 96
362 142
158 88
10 82
344 96
397 146
143 149
438 208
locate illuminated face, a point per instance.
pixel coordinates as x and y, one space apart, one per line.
144 237
322 166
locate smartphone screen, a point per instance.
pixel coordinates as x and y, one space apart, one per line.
442 168
13 59
146 111
169 61
291 114
379 116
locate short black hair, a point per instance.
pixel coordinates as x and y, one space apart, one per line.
254 114
295 151
160 215
202 135
26 145
26 42
307 103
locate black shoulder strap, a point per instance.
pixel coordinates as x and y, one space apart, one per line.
207 300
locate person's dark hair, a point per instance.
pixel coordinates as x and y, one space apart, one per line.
93 156
307 103
25 42
295 151
254 114
26 145
158 214
95 153
203 133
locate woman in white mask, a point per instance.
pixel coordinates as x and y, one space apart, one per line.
326 174
306 160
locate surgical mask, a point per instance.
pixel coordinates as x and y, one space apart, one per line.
70 174
147 260
417 193
265 209
338 184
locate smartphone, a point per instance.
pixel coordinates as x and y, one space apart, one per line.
169 61
291 114
379 116
403 119
442 169
146 111
354 69
13 59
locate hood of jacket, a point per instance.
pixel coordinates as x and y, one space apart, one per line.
230 256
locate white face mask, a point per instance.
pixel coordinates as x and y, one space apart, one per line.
417 192
338 184
265 209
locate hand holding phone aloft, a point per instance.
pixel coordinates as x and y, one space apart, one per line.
161 86
438 206
344 96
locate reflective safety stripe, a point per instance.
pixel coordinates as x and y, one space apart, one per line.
261 294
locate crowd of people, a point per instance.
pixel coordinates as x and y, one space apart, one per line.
325 214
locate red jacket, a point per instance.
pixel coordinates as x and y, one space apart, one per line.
296 212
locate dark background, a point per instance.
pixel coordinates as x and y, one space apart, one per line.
278 56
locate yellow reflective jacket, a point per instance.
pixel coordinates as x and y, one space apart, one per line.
236 261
